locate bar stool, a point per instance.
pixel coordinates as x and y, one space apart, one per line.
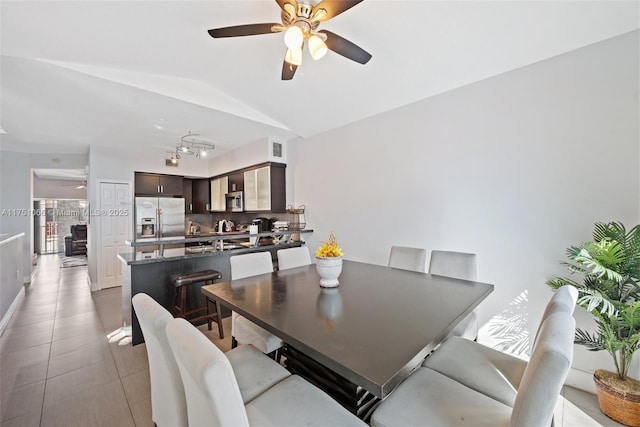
181 283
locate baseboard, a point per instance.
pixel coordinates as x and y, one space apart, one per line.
12 308
581 380
93 286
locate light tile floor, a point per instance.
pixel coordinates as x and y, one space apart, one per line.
57 367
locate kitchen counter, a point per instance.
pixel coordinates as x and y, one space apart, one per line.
173 254
209 237
149 269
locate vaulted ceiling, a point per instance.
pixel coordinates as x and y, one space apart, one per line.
117 73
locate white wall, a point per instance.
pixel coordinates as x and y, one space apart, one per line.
58 189
247 155
514 168
11 276
109 164
15 190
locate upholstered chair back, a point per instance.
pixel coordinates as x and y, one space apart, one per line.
212 392
293 257
247 265
458 265
407 258
168 404
545 373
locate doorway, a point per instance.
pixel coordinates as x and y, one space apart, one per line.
53 220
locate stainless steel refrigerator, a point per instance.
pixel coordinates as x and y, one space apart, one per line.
158 217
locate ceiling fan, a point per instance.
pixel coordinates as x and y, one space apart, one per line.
82 186
299 23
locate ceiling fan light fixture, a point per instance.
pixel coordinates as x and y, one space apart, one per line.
317 47
294 56
293 37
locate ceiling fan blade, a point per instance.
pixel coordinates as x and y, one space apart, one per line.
333 8
346 48
288 70
243 30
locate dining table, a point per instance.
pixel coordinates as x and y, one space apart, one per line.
361 339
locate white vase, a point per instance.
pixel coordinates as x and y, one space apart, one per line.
329 269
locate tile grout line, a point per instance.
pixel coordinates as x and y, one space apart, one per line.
46 376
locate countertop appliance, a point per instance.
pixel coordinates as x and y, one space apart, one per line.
262 223
235 201
159 217
224 226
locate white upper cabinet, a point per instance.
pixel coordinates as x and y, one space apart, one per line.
219 189
257 189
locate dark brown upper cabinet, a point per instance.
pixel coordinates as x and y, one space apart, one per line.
187 193
150 184
236 182
201 196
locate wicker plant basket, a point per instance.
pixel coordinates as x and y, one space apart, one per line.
621 405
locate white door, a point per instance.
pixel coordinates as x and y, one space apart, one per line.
115 215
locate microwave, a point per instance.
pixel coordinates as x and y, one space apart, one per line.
235 201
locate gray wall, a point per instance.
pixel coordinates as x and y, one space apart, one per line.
515 168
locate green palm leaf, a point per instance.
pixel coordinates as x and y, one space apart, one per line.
610 290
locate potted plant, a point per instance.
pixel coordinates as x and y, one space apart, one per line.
329 262
610 291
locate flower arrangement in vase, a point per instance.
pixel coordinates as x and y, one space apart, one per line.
329 262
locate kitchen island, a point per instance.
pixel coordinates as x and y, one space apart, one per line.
149 267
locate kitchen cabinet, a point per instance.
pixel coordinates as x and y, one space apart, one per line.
236 182
187 193
265 189
151 184
219 189
201 196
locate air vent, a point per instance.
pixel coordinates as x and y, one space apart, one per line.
277 149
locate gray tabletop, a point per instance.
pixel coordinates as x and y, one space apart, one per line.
374 329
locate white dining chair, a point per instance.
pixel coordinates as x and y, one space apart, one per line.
408 258
489 371
458 265
257 372
213 397
293 257
243 331
168 404
428 398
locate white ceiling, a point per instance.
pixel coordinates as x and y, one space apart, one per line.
116 73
